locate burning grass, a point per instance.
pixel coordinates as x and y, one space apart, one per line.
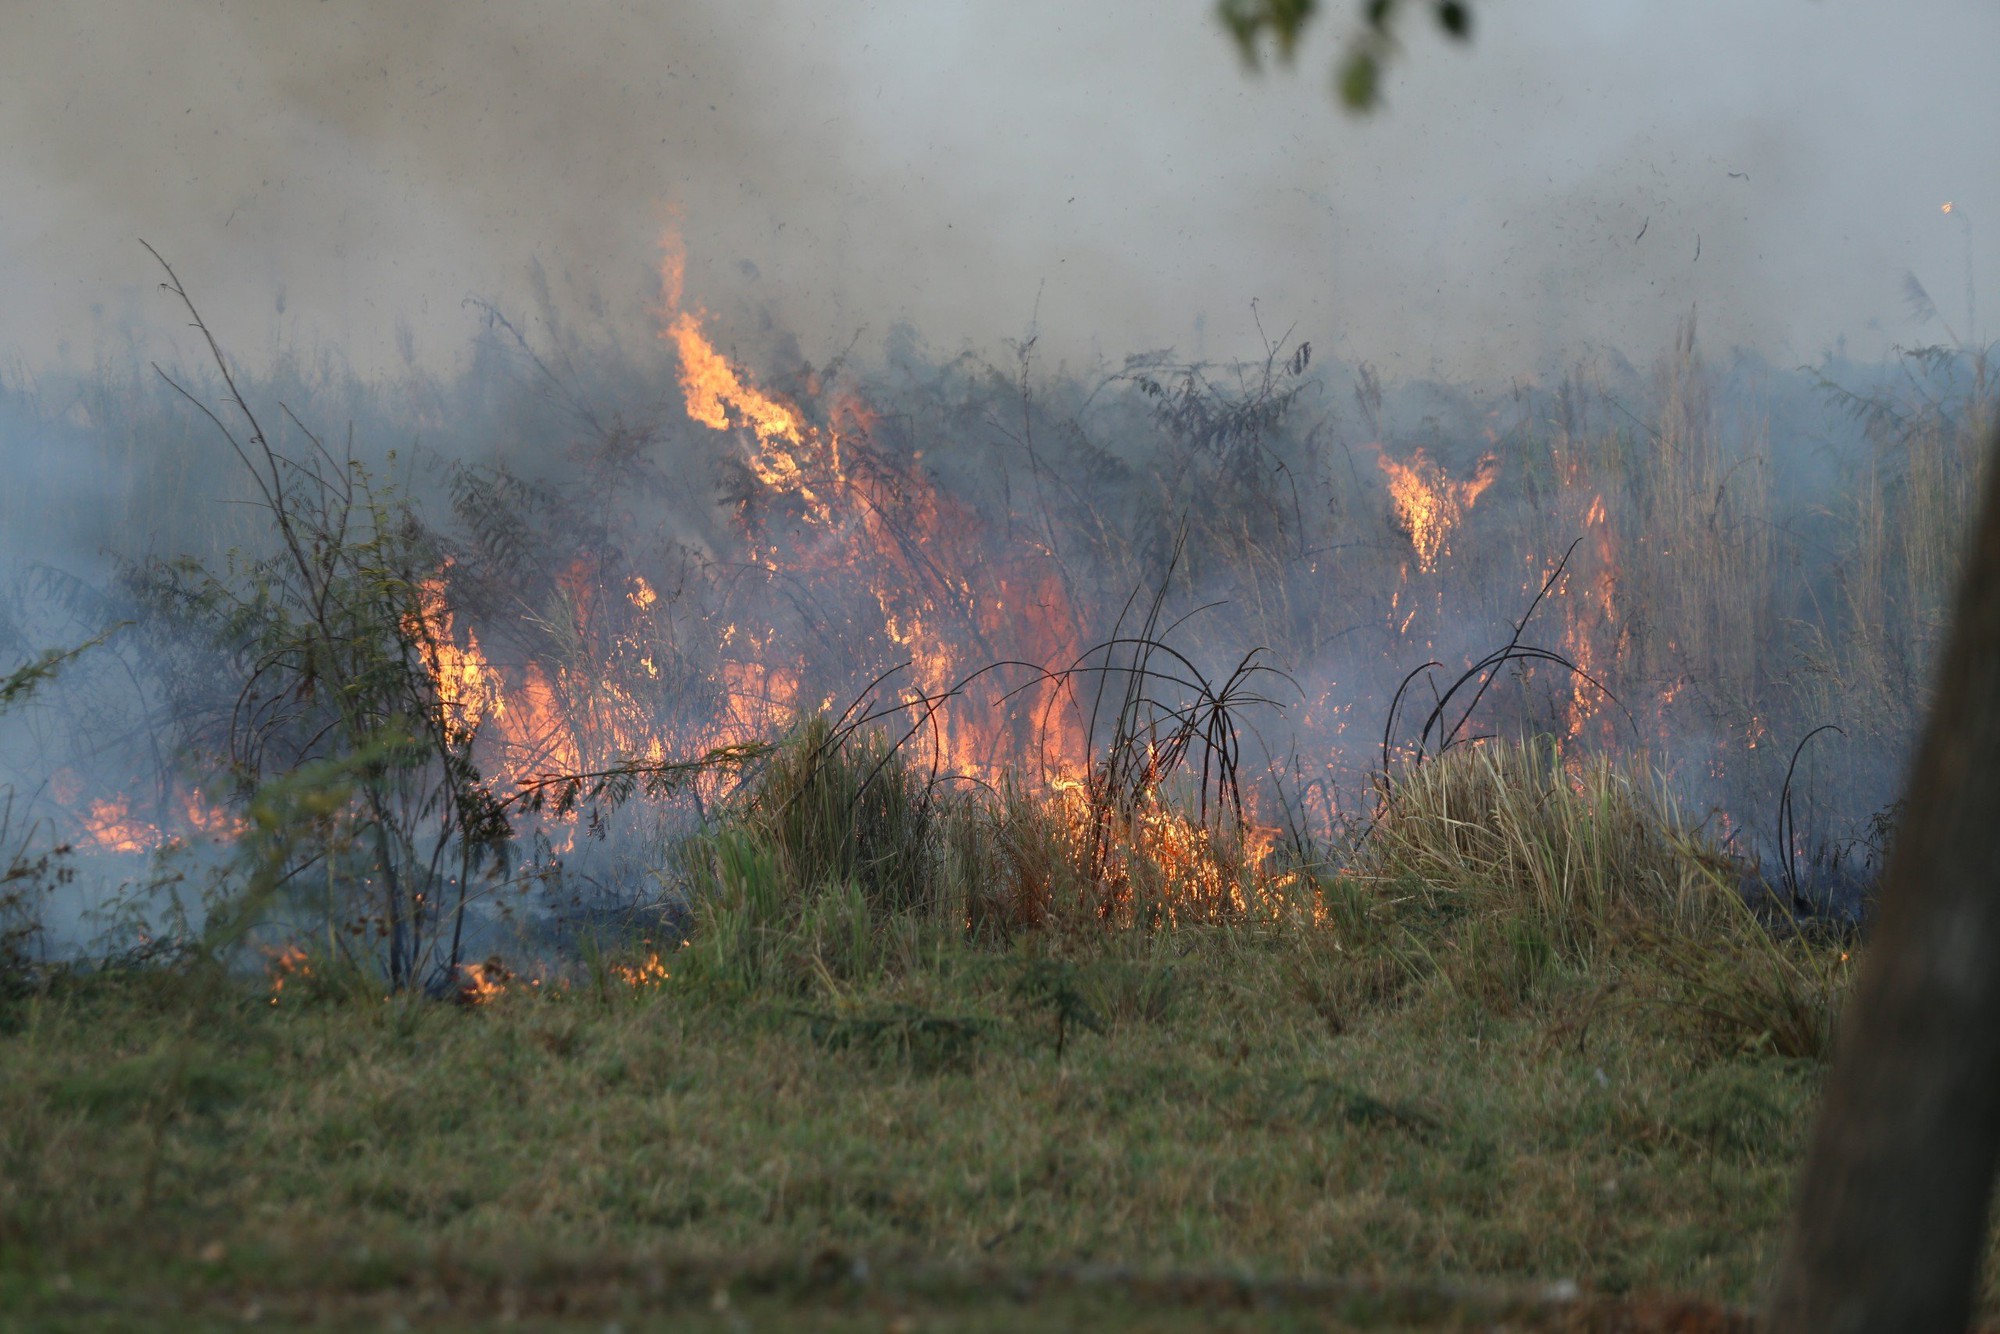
841 861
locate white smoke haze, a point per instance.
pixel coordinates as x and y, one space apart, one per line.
324 173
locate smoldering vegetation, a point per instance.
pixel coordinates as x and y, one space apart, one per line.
433 668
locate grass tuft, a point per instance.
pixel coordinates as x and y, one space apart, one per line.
1563 856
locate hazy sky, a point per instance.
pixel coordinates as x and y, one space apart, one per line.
327 170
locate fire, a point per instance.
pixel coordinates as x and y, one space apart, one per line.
1155 863
839 524
109 824
651 973
535 731
466 685
1429 504
718 399
763 698
210 820
290 962
1592 614
528 722
1946 208
480 983
943 605
111 827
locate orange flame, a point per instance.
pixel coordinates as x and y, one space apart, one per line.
651 973
480 983
288 963
1429 504
1591 616
110 826
718 398
216 822
938 591
466 686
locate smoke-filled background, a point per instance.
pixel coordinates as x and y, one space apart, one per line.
348 173
979 322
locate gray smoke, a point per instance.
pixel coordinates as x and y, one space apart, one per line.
347 173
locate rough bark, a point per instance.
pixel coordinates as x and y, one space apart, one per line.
1891 1210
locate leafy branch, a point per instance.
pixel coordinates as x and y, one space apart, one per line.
1358 77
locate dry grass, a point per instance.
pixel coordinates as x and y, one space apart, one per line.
1590 848
1557 870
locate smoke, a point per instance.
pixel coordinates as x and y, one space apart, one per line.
335 182
347 174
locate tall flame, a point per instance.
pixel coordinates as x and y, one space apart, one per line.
466 685
718 399
939 594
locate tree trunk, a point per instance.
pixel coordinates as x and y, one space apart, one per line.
1890 1220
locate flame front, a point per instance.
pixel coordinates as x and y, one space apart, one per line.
940 600
467 689
902 587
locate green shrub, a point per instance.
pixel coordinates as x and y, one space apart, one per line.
825 870
844 809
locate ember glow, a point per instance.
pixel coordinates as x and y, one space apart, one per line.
289 964
483 983
650 973
112 824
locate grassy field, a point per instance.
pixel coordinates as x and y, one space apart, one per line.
1546 1080
171 1142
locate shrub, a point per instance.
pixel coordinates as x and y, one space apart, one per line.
814 878
841 808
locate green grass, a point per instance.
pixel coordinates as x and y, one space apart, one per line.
1530 1038
1217 1112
